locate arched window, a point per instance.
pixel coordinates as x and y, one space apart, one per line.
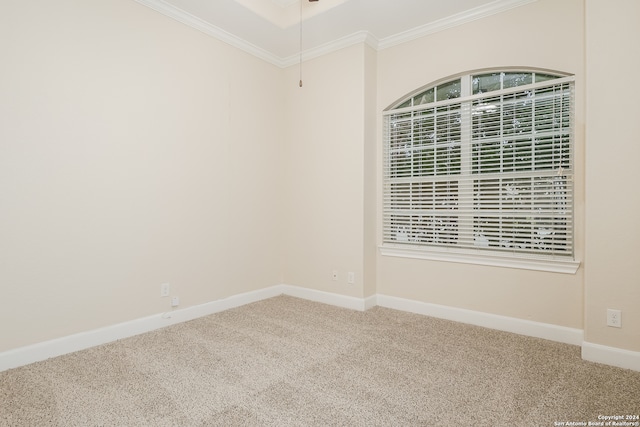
482 165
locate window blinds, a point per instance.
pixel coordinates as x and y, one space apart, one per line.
488 171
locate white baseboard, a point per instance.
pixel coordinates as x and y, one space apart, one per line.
80 341
69 344
611 356
370 302
330 298
493 321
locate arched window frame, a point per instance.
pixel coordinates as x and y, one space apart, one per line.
479 169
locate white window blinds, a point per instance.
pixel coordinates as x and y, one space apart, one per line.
482 164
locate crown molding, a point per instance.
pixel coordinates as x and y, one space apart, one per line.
209 29
285 3
366 37
470 15
341 43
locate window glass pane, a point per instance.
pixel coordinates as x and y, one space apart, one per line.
425 97
405 104
486 82
449 90
510 80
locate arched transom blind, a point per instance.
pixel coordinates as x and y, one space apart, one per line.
482 163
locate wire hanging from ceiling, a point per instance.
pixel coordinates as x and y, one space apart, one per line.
300 59
300 66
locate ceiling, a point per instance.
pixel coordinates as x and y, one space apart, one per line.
270 29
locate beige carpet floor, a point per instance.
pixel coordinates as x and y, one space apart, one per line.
290 362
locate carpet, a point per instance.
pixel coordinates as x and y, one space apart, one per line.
291 362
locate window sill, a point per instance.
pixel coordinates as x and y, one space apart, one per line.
495 260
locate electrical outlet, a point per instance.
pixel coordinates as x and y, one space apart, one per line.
334 275
164 290
614 318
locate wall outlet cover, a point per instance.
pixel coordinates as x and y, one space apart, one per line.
165 289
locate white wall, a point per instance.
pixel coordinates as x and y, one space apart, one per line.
613 174
134 151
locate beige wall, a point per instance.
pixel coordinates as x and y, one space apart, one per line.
324 172
370 220
134 151
613 173
545 34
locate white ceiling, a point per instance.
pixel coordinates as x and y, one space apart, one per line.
270 28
